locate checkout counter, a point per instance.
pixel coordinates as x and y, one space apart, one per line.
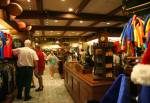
81 86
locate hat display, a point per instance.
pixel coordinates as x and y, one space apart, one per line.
141 72
14 9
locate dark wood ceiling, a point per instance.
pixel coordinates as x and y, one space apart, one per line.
51 18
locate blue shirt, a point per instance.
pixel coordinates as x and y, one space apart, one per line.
2 42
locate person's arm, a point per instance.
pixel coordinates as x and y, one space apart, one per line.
35 60
15 51
57 60
45 56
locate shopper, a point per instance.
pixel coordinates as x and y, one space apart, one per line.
82 56
27 60
53 63
41 66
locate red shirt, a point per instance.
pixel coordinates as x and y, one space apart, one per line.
146 55
8 46
41 61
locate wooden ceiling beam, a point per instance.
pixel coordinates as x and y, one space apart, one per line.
39 4
59 37
109 15
77 11
117 24
74 28
68 24
115 11
69 16
82 5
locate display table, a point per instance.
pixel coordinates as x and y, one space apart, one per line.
81 86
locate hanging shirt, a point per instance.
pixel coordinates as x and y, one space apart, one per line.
8 46
2 42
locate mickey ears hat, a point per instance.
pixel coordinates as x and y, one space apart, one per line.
141 72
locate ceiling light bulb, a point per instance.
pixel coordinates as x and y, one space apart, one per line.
55 21
57 41
70 9
28 0
108 23
46 23
81 21
63 0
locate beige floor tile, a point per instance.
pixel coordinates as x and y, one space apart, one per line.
54 91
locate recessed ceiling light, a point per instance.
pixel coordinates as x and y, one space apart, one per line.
63 0
108 23
58 33
70 9
47 23
55 21
81 21
57 41
28 0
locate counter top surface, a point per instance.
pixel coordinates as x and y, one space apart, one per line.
87 78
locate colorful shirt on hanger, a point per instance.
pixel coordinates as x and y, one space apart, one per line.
8 46
2 42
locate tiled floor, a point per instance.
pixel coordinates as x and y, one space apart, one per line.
54 91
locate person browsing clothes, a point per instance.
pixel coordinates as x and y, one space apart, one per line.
27 61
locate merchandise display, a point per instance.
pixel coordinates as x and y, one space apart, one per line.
133 35
103 59
7 78
6 45
80 51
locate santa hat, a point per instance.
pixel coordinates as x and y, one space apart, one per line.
141 72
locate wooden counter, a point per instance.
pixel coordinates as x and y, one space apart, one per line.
82 87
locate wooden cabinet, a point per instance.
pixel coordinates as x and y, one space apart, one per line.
82 87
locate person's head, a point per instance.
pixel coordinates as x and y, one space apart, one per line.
27 43
52 52
37 47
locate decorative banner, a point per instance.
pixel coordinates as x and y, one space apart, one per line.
14 9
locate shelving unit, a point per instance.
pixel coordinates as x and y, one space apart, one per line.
103 60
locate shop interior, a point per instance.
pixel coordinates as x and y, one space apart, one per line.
98 44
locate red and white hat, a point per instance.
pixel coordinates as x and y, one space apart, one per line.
141 72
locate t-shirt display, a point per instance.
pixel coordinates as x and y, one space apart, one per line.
2 42
8 46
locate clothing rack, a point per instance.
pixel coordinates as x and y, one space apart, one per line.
141 7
